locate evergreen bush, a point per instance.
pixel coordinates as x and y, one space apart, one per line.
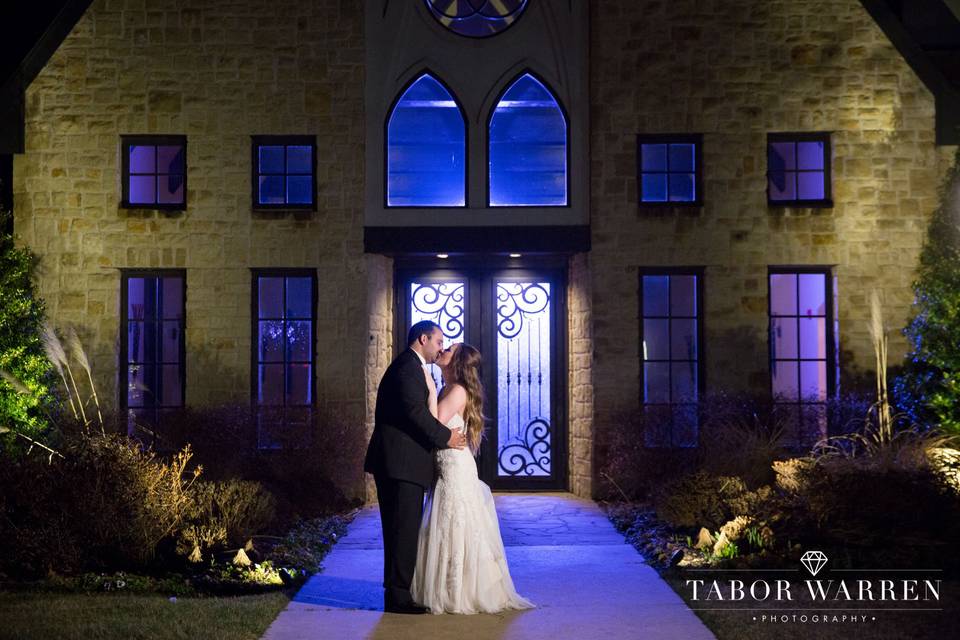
929 388
21 349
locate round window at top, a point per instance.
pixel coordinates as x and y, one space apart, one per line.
476 18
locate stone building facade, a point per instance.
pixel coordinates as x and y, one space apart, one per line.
731 71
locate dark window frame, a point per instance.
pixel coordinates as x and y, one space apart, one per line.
804 136
281 272
426 71
832 357
123 368
699 272
128 140
670 138
486 139
285 141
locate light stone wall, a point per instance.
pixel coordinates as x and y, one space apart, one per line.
220 71
380 314
217 72
734 70
580 380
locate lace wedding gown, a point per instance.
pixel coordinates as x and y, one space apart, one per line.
461 566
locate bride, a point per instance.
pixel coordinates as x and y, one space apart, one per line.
461 566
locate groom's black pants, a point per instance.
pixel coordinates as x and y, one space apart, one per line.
401 508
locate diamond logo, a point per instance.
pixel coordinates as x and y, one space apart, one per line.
813 561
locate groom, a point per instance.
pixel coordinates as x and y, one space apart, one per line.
400 457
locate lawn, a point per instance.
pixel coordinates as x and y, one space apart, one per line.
37 615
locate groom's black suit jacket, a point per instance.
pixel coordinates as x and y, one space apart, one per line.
405 432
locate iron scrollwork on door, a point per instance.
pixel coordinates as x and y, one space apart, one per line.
443 303
523 378
531 453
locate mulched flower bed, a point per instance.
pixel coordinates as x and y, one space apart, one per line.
269 563
664 548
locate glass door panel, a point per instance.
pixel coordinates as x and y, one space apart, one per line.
523 378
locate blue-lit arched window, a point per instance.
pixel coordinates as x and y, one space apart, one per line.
426 148
528 147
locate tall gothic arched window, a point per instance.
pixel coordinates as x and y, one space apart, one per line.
426 148
528 147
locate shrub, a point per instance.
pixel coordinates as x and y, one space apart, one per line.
124 501
106 504
791 474
314 473
225 513
36 529
740 435
699 500
858 502
929 388
629 471
21 351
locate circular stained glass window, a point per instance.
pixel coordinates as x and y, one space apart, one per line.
476 18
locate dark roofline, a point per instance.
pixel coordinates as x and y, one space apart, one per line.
13 89
945 93
954 6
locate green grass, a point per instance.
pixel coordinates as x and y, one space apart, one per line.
36 615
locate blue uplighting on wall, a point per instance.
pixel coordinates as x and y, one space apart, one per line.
426 148
528 147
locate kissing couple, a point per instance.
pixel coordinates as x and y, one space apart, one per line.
446 556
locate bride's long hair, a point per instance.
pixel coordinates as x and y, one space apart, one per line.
464 367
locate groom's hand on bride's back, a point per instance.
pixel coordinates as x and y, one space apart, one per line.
457 439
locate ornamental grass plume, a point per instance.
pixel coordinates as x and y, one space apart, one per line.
878 442
76 350
18 386
58 357
878 335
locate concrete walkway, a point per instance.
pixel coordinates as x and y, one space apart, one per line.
564 555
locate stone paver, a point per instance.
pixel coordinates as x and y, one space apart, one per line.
564 555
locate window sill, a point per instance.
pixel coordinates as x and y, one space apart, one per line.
683 204
800 204
153 207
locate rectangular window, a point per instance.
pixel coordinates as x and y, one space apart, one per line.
671 373
669 169
152 347
798 169
802 350
284 353
284 172
154 172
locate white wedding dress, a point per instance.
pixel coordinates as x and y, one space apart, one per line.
461 566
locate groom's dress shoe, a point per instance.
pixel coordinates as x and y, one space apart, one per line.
405 608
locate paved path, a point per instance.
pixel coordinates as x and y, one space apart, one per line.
564 555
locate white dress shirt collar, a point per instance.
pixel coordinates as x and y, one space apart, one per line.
423 361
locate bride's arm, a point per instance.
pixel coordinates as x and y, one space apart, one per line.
454 400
